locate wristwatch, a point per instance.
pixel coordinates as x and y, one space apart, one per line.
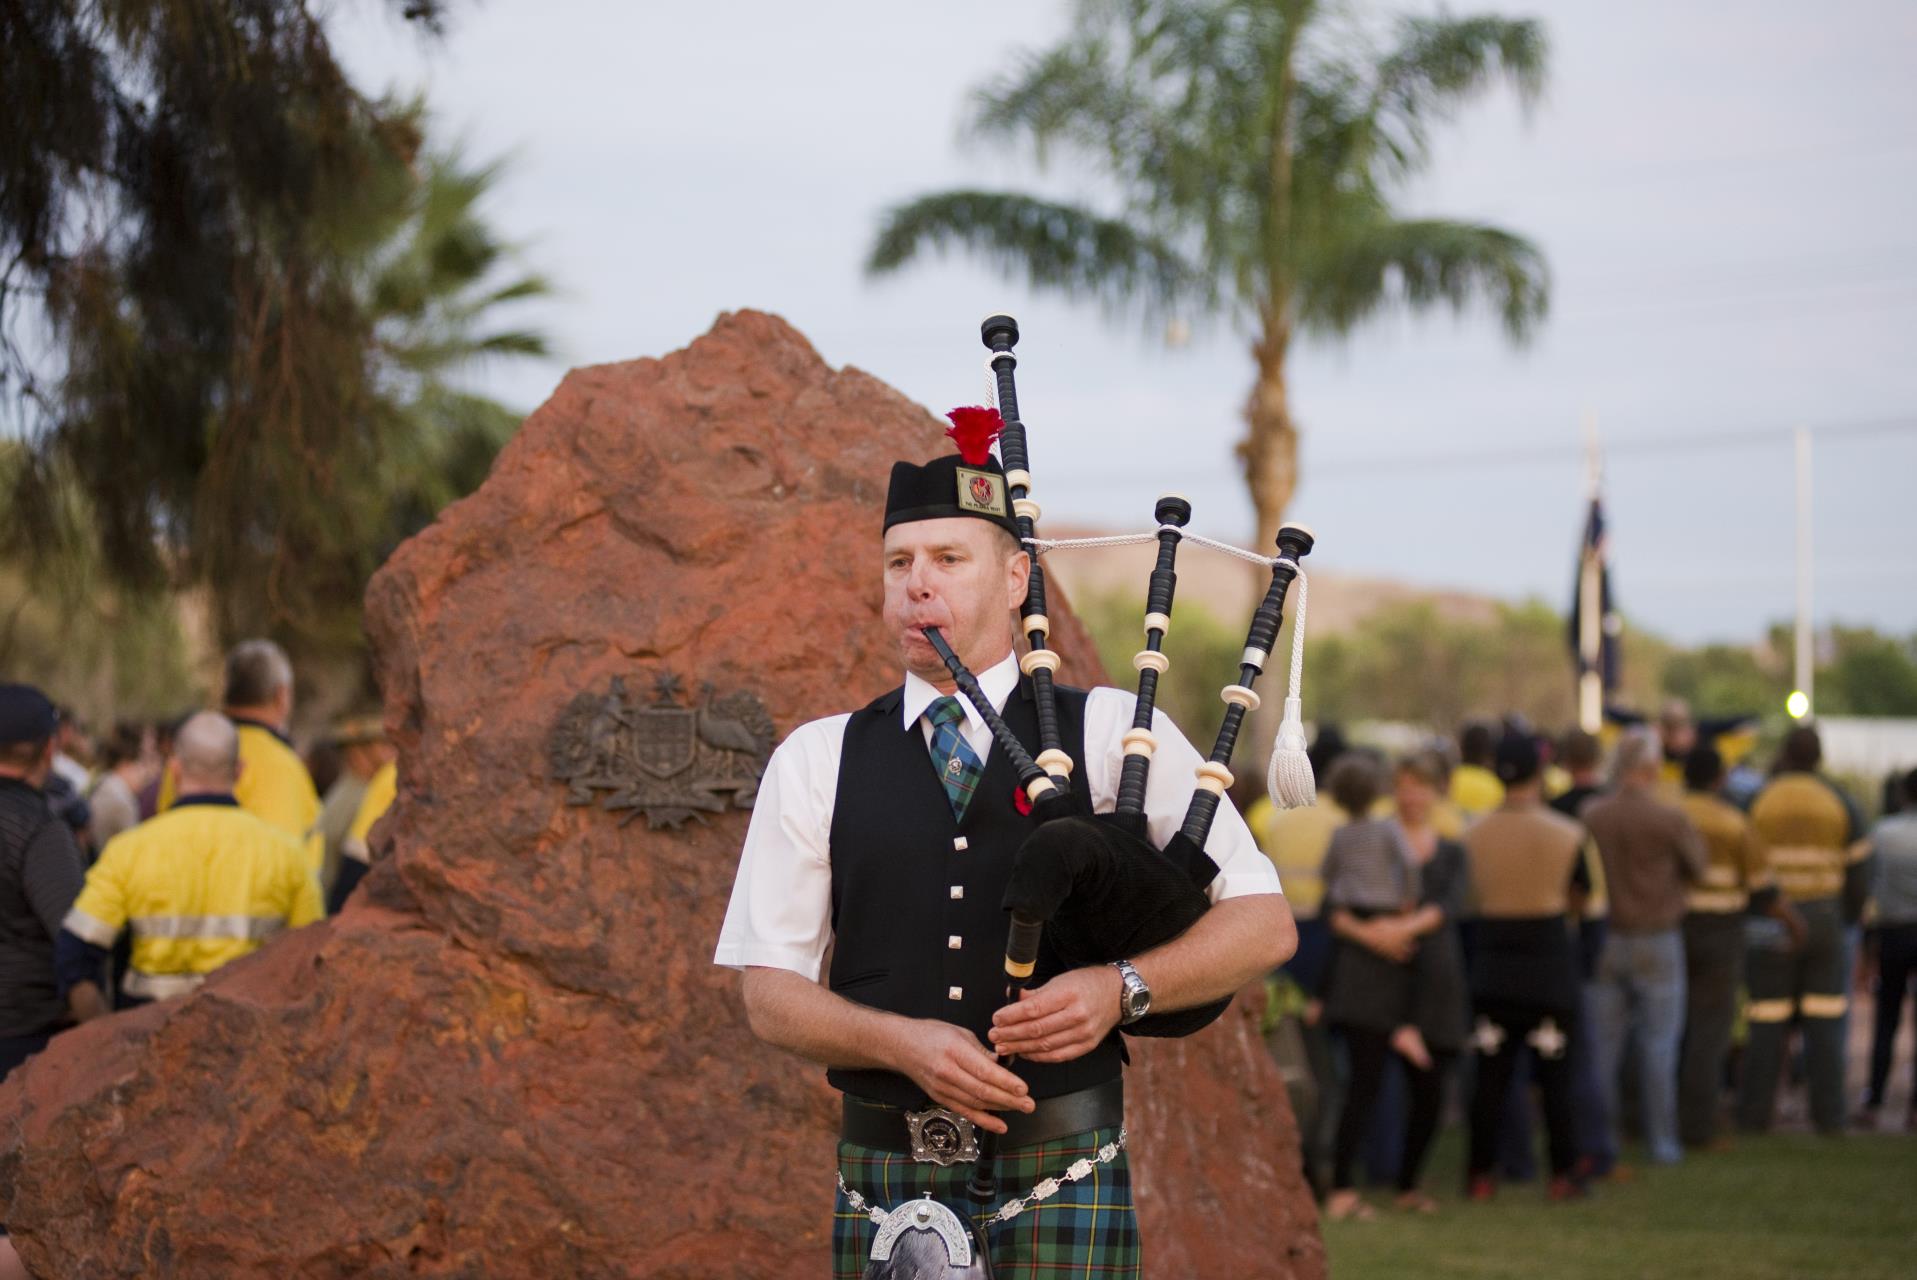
1135 1001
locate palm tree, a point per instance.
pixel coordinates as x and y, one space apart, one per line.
1254 146
435 287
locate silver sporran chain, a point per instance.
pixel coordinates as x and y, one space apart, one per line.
1080 1169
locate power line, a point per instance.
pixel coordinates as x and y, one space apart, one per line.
1701 442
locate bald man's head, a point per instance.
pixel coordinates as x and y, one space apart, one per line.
207 753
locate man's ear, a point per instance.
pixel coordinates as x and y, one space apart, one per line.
1018 575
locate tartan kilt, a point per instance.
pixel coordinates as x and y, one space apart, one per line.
1087 1229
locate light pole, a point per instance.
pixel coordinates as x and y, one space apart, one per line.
1799 704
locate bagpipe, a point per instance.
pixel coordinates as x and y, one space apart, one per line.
1094 887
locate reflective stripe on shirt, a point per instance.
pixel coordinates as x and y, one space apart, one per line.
87 929
159 986
1808 871
249 928
1717 902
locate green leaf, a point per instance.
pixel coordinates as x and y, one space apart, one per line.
1424 263
1054 246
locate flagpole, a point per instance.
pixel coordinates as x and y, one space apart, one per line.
1591 597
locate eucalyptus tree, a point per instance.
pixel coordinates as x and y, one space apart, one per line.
237 297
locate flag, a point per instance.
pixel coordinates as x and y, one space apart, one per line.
1596 631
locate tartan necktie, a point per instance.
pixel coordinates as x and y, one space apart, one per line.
952 756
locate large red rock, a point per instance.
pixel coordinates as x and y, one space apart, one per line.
511 1055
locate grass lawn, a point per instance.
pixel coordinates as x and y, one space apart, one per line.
1785 1206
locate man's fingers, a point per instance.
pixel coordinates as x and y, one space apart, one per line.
996 1087
977 1114
1070 1027
1032 1004
959 1093
1025 1032
1063 1053
968 1070
980 1062
1024 1046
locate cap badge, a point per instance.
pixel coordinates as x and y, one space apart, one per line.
981 491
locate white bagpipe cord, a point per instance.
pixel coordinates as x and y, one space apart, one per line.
1288 777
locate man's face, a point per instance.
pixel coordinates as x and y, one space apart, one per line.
960 575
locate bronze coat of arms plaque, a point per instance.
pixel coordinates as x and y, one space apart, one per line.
665 760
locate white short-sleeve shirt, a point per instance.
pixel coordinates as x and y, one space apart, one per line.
780 915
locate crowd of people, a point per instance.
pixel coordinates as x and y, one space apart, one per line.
1632 934
1619 939
137 861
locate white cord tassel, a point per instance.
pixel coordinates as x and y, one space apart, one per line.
1288 778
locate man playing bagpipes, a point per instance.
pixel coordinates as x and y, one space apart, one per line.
889 835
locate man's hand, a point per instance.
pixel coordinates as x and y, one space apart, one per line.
958 1073
85 1002
1066 1018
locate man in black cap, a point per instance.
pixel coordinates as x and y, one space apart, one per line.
888 835
40 875
1530 872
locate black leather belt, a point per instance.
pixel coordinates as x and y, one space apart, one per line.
884 1128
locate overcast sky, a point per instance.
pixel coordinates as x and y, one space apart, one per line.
1727 195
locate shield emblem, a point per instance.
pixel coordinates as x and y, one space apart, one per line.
982 492
663 740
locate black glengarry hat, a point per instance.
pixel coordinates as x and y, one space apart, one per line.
970 483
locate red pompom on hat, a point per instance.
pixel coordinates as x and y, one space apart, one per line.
974 429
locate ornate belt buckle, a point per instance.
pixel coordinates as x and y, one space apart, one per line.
941 1137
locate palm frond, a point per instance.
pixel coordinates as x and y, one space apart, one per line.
1423 263
1439 64
1058 247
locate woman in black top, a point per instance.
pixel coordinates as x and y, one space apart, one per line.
1393 891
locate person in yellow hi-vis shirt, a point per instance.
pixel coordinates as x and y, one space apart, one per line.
355 856
1475 789
1812 830
274 783
199 886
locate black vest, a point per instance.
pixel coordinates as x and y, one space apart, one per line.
896 865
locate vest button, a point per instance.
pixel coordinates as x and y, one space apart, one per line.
954 942
958 891
955 993
961 843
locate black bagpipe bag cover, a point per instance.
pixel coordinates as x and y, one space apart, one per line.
1105 894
